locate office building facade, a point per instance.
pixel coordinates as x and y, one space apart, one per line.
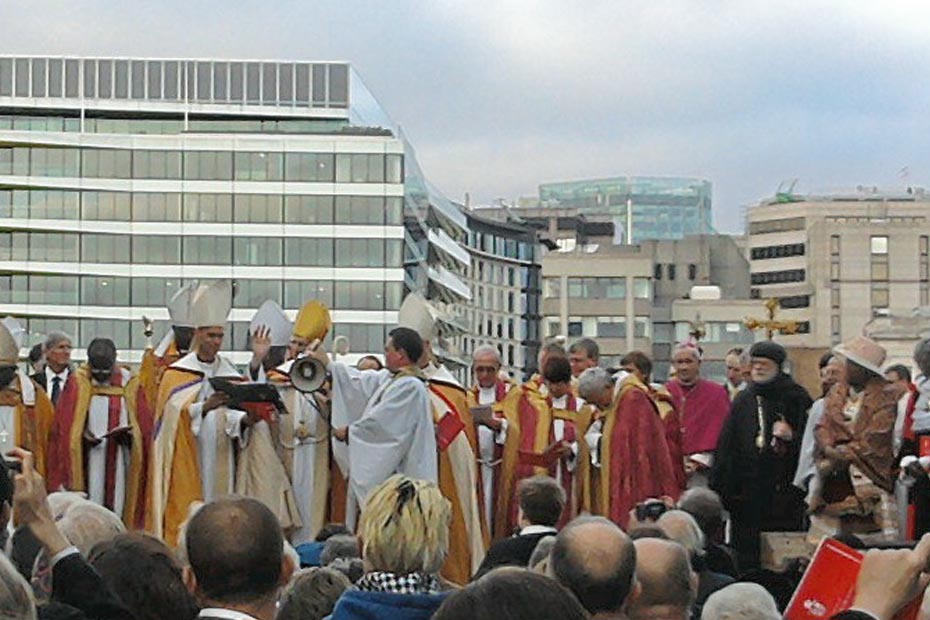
122 179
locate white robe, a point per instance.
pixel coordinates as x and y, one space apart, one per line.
807 469
98 425
390 428
8 412
219 420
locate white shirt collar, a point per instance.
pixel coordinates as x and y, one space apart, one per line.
538 529
229 614
51 374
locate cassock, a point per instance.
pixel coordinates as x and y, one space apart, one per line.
458 474
703 408
529 426
629 454
490 444
193 455
26 416
153 366
112 474
565 428
390 427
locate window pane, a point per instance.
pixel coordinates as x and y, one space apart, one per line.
219 81
360 253
297 292
104 291
258 251
138 79
879 245
359 210
309 167
286 84
395 169
207 207
269 82
308 209
104 248
153 291
204 74
38 77
171 81
235 81
338 85
90 79
156 207
257 208
56 74
252 83
308 252
204 250
6 77
252 293
22 77
121 81
319 85
159 250
105 79
302 83
113 206
154 79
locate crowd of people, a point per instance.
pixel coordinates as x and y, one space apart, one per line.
387 489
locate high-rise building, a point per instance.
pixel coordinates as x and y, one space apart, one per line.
121 179
837 261
640 208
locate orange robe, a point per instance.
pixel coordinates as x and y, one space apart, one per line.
489 465
458 477
33 415
69 470
153 367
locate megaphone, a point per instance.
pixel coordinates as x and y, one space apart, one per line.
307 374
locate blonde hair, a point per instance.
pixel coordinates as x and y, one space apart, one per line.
405 527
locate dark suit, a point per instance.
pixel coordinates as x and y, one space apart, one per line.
77 585
513 551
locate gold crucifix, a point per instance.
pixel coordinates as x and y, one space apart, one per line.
771 325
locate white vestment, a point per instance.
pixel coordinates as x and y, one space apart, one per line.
8 412
206 427
390 427
98 425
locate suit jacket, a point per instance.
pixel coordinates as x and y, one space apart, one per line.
75 583
513 551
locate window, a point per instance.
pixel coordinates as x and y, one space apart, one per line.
670 270
286 84
156 249
834 296
252 293
363 338
51 289
257 251
880 269
611 327
308 209
39 327
153 291
263 166
692 272
297 292
394 169
597 288
208 165
642 327
781 225
38 77
795 301
156 207
879 245
219 81
107 163
924 242
359 295
113 206
156 165
117 331
308 252
778 277
207 208
257 208
207 250
359 168
879 296
104 291
309 167
47 247
359 210
642 288
104 248
360 253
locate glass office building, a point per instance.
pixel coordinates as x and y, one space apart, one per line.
121 179
661 207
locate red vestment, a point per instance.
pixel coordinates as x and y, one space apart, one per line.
703 408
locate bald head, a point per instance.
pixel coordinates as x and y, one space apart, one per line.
235 550
593 558
682 528
664 572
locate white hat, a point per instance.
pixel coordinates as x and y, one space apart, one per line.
271 315
9 348
179 306
416 314
16 330
865 352
210 304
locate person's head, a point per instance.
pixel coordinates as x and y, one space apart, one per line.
637 363
707 509
86 524
539 559
404 527
147 576
922 356
541 500
596 386
558 376
404 347
687 362
548 350
209 341
682 528
767 360
183 336
511 593
312 594
583 354
235 551
16 599
369 362
329 530
594 559
669 586
899 375
734 366
833 372
101 358
339 546
741 601
864 359
58 351
486 364
37 357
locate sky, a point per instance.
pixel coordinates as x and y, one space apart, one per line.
498 96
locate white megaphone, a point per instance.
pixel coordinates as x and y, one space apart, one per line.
307 374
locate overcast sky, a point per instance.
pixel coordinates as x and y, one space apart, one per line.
498 96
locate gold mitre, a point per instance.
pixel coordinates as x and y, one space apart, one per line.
313 321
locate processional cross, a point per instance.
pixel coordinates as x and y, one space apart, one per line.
771 325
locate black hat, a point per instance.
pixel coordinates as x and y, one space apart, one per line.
769 350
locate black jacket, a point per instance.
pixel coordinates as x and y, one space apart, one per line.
513 551
77 585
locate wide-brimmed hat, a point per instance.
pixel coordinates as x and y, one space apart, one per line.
865 352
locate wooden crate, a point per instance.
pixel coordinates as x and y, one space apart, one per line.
779 548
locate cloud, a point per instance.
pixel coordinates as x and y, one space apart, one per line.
501 95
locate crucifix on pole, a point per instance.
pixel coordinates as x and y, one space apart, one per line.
771 325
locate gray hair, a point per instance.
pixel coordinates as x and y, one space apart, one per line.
741 601
486 349
589 346
705 506
85 524
922 356
339 546
593 381
53 338
682 528
690 348
16 599
312 594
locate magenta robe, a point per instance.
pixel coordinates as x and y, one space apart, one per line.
703 409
